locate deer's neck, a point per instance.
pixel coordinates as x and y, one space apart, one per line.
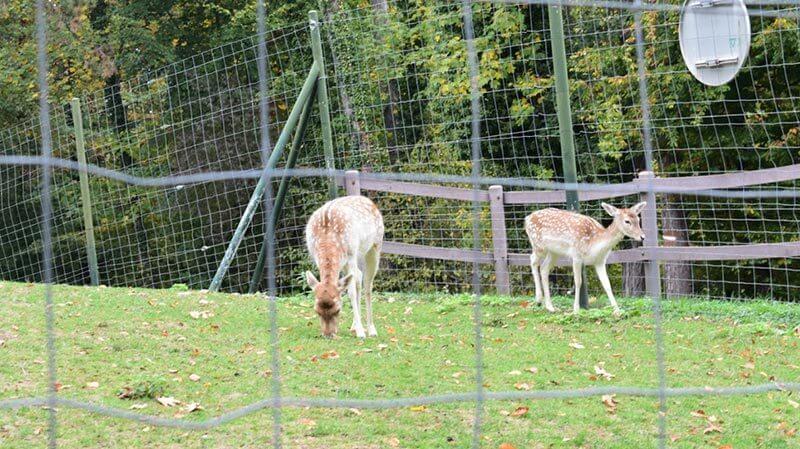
607 239
329 258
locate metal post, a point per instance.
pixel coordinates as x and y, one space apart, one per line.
86 197
297 141
247 216
652 274
322 101
499 240
565 119
352 185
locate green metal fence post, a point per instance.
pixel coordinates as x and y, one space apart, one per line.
258 192
258 273
565 118
322 100
86 197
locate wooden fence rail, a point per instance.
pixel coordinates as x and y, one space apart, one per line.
650 253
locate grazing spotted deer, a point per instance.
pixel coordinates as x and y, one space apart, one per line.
342 235
555 232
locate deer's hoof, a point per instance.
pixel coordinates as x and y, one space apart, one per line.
372 331
617 313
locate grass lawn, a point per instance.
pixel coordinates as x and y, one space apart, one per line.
212 349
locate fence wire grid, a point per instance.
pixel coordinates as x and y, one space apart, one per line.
455 94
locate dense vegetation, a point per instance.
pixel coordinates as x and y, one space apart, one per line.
175 91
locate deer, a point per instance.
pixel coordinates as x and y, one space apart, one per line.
555 232
342 235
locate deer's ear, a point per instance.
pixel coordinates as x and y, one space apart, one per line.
638 208
344 282
312 281
611 210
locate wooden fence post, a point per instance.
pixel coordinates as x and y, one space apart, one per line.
352 185
499 241
652 273
86 197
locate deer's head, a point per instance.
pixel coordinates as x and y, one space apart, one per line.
327 300
627 220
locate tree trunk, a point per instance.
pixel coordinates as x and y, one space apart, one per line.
361 137
382 8
677 275
633 277
114 104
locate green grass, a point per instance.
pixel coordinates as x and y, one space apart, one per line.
148 342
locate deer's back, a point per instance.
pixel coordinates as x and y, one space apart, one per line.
560 231
352 222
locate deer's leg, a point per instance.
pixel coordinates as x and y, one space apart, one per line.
601 274
577 270
546 265
349 294
370 269
353 290
536 279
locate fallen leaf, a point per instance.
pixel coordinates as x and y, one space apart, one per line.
520 411
204 314
698 413
532 370
418 408
194 377
576 345
93 385
514 373
307 422
600 371
192 407
330 355
58 386
168 401
355 411
726 446
522 386
138 406
712 428
794 404
506 446
393 442
610 403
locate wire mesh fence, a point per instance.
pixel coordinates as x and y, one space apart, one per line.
459 95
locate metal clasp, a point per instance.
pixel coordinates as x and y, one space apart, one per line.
716 62
711 3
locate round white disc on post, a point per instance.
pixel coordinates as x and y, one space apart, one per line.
715 39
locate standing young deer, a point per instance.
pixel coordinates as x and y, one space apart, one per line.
341 235
555 232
